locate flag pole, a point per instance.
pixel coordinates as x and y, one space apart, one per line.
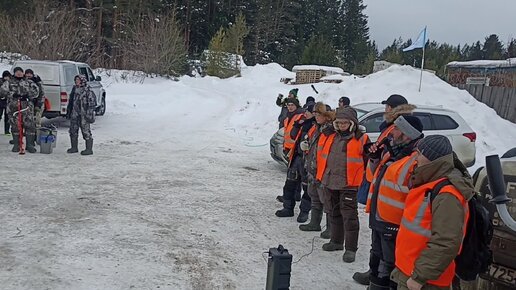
422 61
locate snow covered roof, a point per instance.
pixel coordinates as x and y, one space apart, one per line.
510 62
336 70
335 77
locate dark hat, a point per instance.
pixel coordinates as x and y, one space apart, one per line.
6 73
292 101
309 107
410 126
29 71
434 147
347 113
345 101
310 99
17 69
294 92
395 100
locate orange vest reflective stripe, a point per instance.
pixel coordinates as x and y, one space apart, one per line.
416 229
383 135
384 160
394 189
288 124
354 158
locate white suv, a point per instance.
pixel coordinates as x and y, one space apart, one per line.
436 120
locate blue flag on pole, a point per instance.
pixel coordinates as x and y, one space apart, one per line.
419 43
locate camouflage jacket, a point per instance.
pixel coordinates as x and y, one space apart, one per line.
14 89
84 103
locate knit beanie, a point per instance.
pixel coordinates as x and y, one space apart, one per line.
292 101
410 126
434 147
293 92
347 113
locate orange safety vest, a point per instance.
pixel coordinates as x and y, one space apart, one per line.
288 124
416 229
354 158
383 135
312 130
393 189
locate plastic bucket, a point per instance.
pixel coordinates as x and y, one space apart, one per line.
46 142
43 132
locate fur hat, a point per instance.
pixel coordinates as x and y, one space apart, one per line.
405 109
325 111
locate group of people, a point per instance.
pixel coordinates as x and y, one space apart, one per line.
415 237
22 103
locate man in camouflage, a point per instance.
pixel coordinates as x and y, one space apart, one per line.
38 102
81 112
20 94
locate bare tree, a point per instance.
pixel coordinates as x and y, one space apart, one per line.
155 45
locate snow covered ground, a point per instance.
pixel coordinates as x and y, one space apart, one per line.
179 193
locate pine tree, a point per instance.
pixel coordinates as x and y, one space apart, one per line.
493 48
511 49
355 34
319 51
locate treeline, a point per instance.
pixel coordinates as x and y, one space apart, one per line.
438 55
158 36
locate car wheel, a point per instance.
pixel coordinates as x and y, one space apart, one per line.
101 110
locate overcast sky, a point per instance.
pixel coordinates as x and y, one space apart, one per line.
451 21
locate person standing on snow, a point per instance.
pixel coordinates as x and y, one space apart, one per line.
340 168
281 102
324 117
395 106
393 164
38 102
81 112
432 230
292 187
20 94
6 76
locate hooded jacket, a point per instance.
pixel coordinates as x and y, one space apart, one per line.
447 218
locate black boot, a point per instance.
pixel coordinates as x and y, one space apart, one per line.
89 148
302 217
29 138
315 222
362 278
327 232
16 143
379 283
280 198
74 142
285 213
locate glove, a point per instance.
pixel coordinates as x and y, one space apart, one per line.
304 145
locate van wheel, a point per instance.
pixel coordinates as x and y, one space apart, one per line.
101 110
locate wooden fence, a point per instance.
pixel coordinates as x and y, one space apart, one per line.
502 100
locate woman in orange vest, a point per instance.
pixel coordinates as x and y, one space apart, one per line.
431 231
340 168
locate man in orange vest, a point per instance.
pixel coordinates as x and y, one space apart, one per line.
282 102
324 117
431 231
395 106
386 200
297 124
340 168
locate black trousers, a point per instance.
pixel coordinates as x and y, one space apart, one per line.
382 259
296 180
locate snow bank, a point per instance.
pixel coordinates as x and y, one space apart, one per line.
510 62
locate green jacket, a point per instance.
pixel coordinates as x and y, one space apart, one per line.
447 216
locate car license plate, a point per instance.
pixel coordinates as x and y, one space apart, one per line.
502 274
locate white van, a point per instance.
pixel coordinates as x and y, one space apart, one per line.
57 78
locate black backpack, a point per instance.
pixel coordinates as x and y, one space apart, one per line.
476 255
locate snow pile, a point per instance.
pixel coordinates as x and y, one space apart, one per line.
510 62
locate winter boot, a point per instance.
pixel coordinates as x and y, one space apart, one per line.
349 256
362 278
74 141
315 222
379 283
280 198
29 138
302 217
16 143
331 246
285 213
89 148
11 141
327 232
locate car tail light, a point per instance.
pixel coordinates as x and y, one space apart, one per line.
64 97
471 136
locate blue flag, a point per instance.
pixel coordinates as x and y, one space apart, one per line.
419 43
